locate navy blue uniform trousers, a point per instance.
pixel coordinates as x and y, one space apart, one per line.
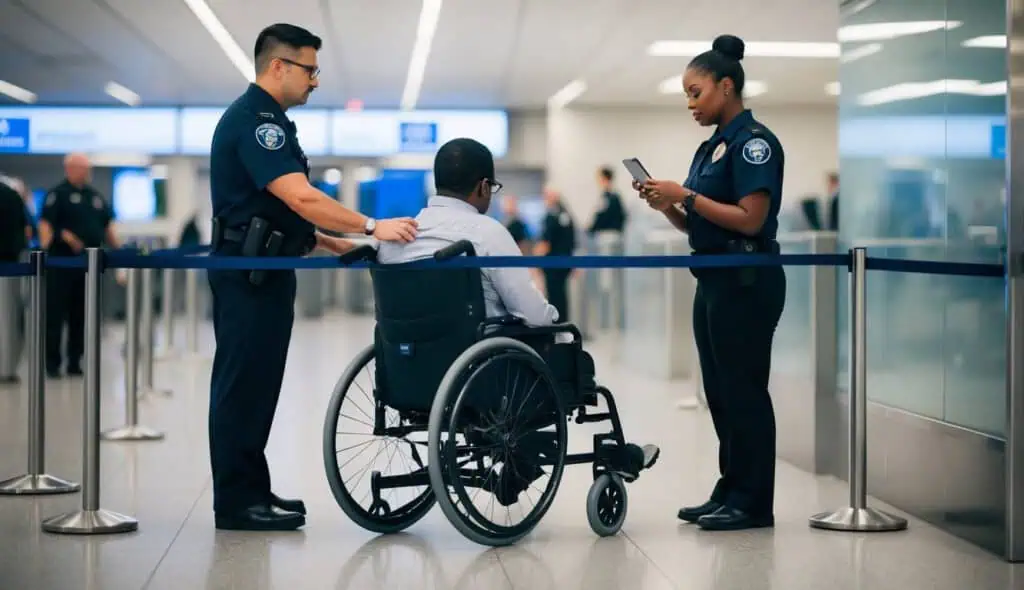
734 322
253 326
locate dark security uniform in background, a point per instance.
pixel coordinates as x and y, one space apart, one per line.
560 232
253 144
13 221
611 217
85 213
735 311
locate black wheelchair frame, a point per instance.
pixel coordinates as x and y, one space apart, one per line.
494 339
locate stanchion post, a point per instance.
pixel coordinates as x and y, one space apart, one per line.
36 481
131 431
148 337
857 516
91 519
167 315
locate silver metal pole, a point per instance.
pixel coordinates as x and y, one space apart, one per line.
167 315
36 481
91 519
132 431
148 336
857 516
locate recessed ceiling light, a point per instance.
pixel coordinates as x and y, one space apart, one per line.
832 88
860 52
674 85
240 59
912 90
122 94
569 93
987 41
16 92
752 49
892 30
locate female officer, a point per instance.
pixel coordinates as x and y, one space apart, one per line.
730 204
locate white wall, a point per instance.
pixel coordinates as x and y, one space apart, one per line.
580 140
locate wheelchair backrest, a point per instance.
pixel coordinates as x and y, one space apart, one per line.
425 318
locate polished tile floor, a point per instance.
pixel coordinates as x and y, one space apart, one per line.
166 485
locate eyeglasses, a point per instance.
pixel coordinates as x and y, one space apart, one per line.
313 71
495 186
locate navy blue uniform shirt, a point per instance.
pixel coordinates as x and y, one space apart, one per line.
741 158
82 211
255 143
559 231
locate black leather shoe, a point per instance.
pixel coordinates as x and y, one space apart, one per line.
692 513
260 517
731 519
289 505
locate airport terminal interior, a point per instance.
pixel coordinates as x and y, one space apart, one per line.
896 389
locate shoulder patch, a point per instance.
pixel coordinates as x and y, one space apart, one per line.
757 151
270 136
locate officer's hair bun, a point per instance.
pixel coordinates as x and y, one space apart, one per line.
730 46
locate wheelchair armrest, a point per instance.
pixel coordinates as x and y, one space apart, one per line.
523 329
365 252
504 321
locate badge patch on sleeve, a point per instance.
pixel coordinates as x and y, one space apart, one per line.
270 136
757 151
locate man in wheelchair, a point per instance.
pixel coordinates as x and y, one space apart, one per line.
465 185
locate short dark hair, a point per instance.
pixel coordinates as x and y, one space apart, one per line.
274 36
460 165
723 61
606 173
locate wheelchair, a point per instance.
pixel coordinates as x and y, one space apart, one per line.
477 406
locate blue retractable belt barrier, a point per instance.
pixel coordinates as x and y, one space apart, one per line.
189 258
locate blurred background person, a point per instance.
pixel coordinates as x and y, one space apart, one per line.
514 223
15 233
558 238
612 215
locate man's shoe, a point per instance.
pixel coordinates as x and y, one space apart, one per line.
732 519
296 506
651 454
260 517
693 513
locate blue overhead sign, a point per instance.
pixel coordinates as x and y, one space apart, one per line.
418 136
14 136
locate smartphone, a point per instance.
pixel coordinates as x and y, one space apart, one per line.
637 170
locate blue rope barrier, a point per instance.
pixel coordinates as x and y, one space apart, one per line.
192 258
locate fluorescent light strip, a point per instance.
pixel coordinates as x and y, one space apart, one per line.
912 90
892 30
752 49
674 85
569 93
987 41
429 15
220 34
16 92
860 52
122 94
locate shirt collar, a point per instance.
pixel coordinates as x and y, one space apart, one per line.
261 102
442 201
738 122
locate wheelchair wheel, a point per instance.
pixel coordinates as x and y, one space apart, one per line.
357 425
500 398
606 504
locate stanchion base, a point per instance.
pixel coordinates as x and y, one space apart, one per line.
129 433
90 522
37 484
687 403
858 519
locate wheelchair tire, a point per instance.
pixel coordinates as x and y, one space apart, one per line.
399 519
606 504
444 416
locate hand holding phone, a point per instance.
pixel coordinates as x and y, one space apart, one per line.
637 171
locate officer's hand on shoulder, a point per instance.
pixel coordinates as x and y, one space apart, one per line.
400 229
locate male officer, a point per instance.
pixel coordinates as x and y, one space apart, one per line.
612 216
264 205
558 238
75 216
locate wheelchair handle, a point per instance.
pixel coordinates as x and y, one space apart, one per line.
453 250
364 252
